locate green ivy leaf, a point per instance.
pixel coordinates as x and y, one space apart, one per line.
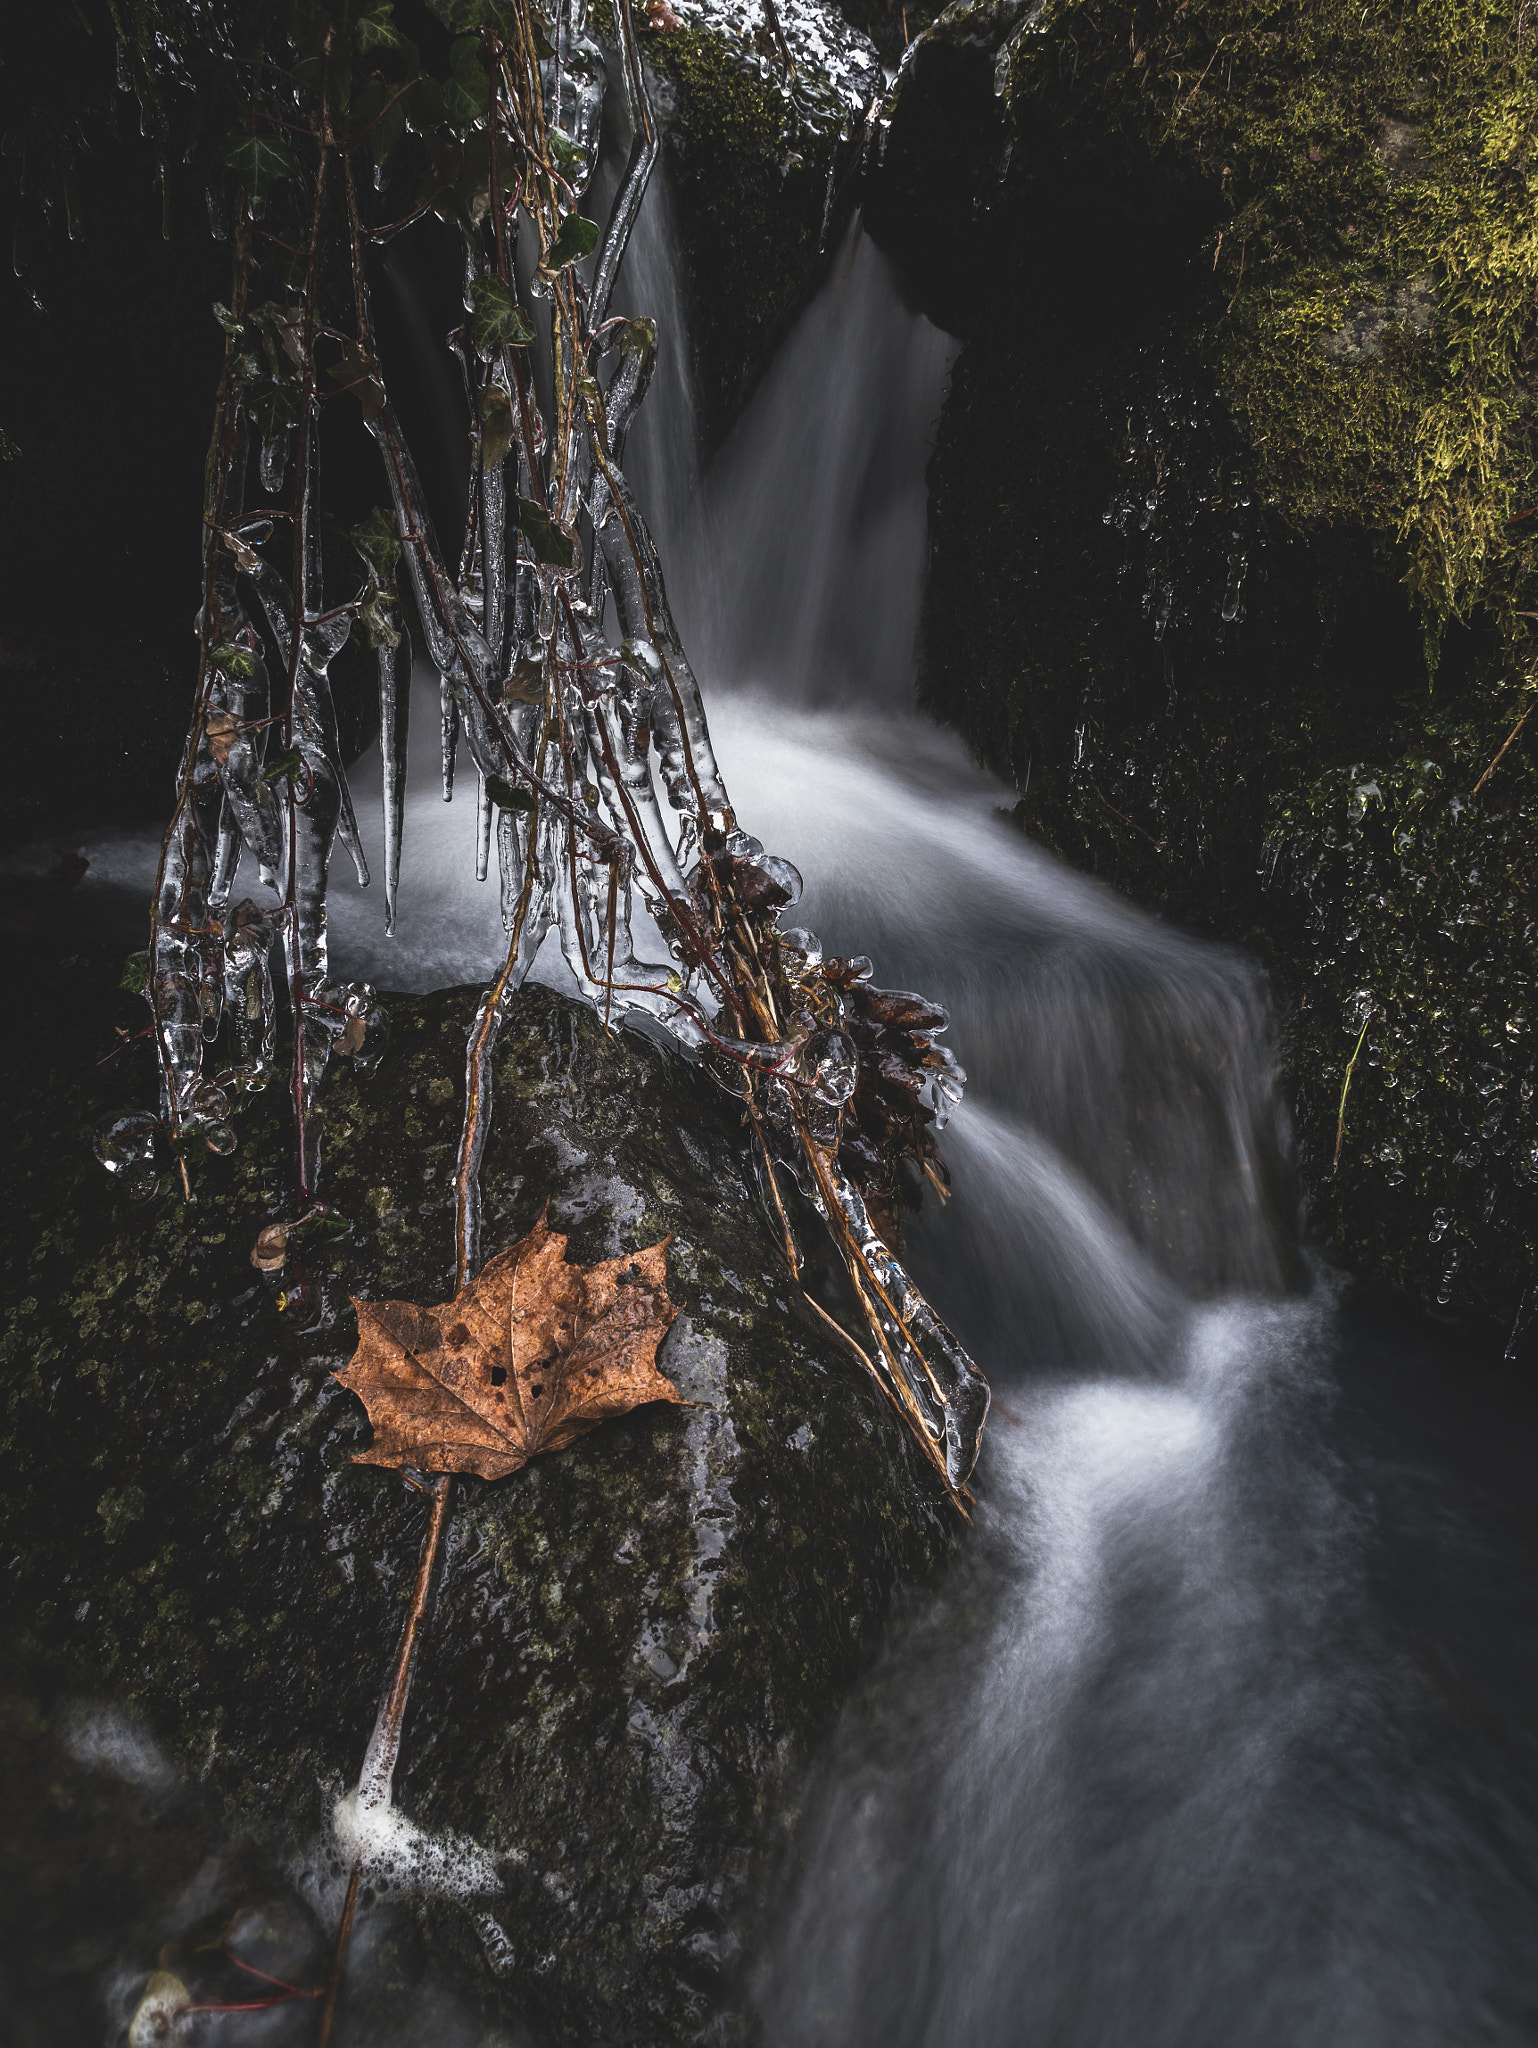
260 162
379 112
424 106
497 319
374 30
506 798
235 661
361 373
227 320
639 336
275 409
324 1223
471 14
376 621
577 238
563 149
497 429
547 542
285 767
526 684
136 974
467 89
378 541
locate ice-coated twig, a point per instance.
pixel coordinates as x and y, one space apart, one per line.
394 730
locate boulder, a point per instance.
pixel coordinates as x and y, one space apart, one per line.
633 1639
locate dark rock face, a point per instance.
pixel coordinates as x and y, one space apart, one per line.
762 171
1211 577
632 1639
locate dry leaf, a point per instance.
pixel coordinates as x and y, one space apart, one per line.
533 1354
270 1251
222 730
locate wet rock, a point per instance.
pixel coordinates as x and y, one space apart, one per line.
761 166
632 1639
1231 518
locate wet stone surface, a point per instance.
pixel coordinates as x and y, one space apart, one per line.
632 1641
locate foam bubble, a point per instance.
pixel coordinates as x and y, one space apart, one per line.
408 1857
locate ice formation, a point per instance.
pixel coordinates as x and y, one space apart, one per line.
596 783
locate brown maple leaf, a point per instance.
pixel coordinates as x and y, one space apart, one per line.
530 1356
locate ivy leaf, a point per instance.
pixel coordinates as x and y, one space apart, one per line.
531 1355
282 332
285 767
547 542
378 541
374 30
376 620
467 89
472 14
235 661
321 1223
227 320
506 798
577 238
360 373
526 685
638 337
497 319
260 162
563 149
424 106
497 430
379 113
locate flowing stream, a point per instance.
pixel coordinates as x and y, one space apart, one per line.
1221 1734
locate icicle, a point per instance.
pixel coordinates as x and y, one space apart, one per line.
248 999
394 726
482 827
226 858
646 621
448 713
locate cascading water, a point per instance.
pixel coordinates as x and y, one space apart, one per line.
1213 1736
1176 1757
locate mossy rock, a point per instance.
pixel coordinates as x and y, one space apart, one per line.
1227 522
762 168
633 1639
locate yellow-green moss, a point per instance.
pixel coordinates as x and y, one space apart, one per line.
1345 150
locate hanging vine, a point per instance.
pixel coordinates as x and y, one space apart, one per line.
347 139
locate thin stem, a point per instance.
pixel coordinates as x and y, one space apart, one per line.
1345 1087
374 1780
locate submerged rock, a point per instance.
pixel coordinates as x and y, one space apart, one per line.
632 1640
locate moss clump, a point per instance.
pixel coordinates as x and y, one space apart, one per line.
1226 502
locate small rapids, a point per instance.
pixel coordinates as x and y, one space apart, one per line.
1220 1735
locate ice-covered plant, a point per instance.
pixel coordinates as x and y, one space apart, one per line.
562 671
